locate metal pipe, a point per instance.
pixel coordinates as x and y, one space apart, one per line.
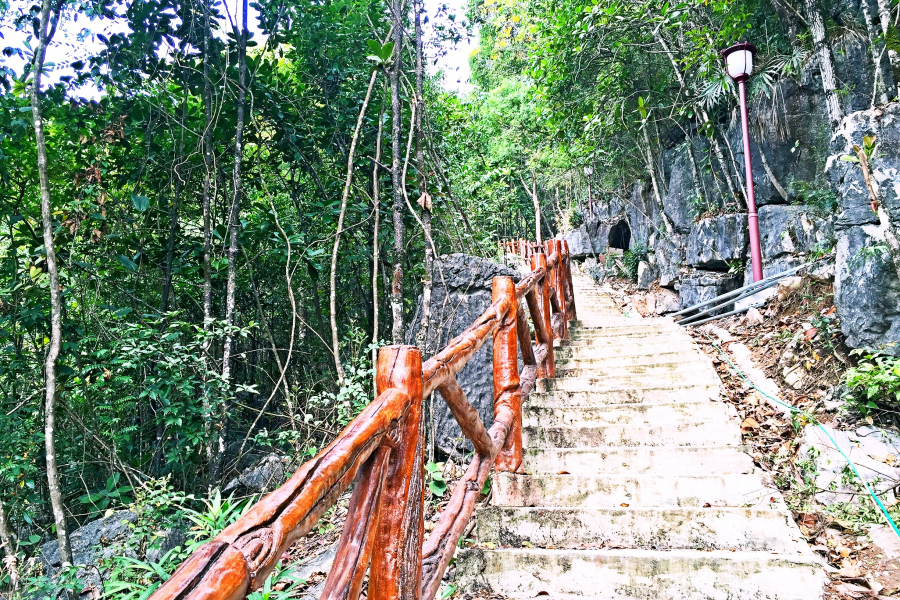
728 314
752 218
777 276
749 292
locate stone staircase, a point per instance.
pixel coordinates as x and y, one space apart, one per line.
635 484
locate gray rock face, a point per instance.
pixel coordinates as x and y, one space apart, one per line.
700 286
641 211
867 291
681 192
669 256
461 293
579 243
646 275
793 230
109 531
715 241
267 474
867 288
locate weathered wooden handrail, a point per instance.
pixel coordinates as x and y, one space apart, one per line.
382 453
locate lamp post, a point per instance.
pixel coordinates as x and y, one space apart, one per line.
739 64
588 171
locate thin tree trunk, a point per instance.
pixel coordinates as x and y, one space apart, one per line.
376 199
424 198
826 63
173 211
332 294
883 90
233 221
884 17
713 140
397 176
207 231
775 183
56 307
9 546
651 166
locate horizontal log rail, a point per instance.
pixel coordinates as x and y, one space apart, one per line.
381 453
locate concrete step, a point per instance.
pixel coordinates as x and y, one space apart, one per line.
714 432
688 368
640 460
617 360
641 326
610 382
638 491
657 413
640 574
656 337
744 529
630 349
685 392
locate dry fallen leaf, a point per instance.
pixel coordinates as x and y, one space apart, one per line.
749 424
625 504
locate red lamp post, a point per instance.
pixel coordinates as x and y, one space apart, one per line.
739 64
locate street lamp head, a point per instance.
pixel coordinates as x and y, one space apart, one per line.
739 60
588 171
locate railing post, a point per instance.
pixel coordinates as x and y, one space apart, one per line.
396 569
574 315
547 369
507 395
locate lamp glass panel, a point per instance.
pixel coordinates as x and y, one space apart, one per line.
739 63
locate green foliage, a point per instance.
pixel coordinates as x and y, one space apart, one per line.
111 494
631 258
434 474
822 200
874 381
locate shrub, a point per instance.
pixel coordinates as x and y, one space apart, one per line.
631 258
875 379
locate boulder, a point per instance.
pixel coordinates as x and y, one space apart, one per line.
668 250
92 544
581 244
867 287
867 291
267 474
666 301
874 452
646 275
793 230
700 286
716 241
461 293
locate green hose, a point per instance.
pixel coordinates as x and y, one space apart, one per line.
817 424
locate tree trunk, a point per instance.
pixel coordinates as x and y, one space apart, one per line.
651 165
424 198
9 546
826 64
332 294
207 229
713 140
883 90
376 199
56 306
884 17
233 222
397 175
173 211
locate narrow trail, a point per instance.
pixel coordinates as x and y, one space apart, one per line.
635 484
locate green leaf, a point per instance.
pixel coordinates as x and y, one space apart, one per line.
141 203
127 263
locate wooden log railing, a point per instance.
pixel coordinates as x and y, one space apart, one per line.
381 452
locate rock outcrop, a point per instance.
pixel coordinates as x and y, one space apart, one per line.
867 287
461 293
